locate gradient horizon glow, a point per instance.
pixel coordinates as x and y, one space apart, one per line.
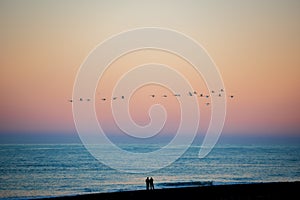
255 44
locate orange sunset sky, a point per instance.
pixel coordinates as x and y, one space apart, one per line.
255 44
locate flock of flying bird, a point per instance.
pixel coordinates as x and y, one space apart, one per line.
213 92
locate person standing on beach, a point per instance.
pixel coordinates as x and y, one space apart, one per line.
151 184
147 183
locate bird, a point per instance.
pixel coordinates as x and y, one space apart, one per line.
219 94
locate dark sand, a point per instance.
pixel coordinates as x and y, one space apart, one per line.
280 190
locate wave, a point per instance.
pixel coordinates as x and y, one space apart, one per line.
185 184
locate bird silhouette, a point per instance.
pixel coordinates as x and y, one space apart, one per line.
165 96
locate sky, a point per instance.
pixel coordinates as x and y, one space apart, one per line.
255 45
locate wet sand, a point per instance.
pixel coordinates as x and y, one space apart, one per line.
278 190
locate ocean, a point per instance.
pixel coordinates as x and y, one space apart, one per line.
45 170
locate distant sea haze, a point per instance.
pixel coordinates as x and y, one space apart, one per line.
73 138
43 170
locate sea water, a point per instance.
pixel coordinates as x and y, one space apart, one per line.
44 170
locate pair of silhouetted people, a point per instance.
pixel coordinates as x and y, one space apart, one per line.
149 183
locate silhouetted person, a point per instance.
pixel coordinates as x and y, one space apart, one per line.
147 183
151 184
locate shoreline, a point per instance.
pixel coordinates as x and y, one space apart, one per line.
272 190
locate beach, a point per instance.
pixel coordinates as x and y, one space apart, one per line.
274 190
